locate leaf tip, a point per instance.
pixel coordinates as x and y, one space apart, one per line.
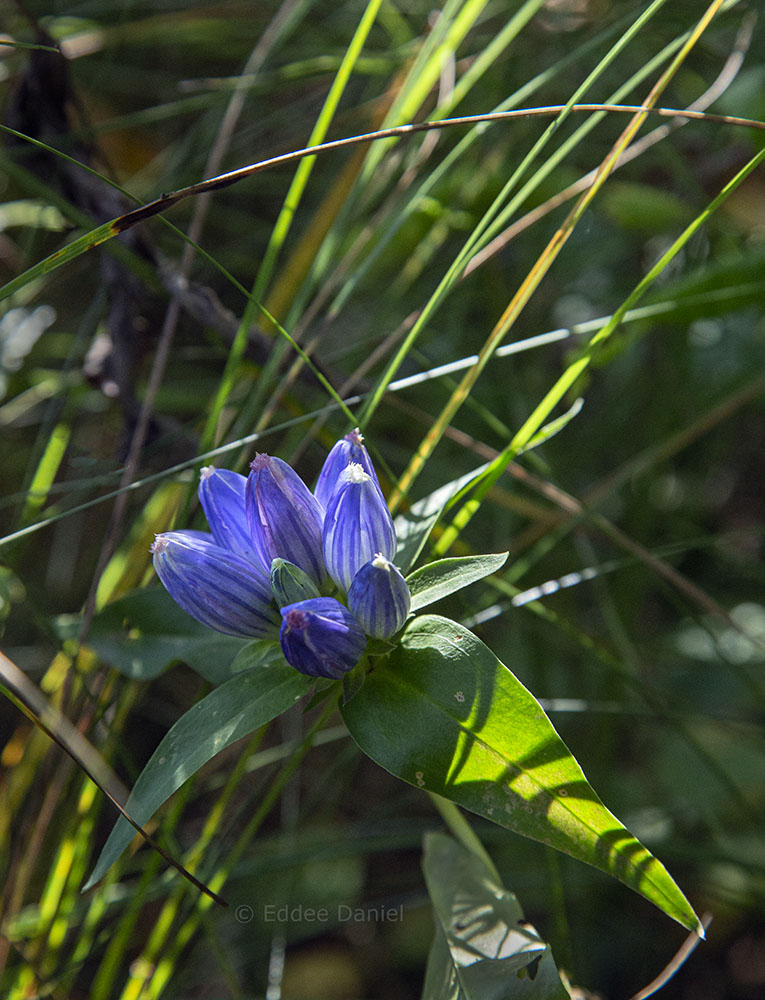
90 883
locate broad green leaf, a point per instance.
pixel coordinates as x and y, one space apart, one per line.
142 633
235 709
441 981
413 527
491 952
439 579
443 713
256 653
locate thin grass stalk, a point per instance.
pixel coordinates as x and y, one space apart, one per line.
115 957
734 62
109 230
575 370
60 892
494 219
171 909
213 821
96 910
481 241
532 281
156 985
287 14
70 868
453 24
562 937
659 309
442 40
487 237
284 220
463 831
486 59
484 228
402 212
26 784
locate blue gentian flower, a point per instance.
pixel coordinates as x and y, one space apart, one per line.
289 584
273 544
379 598
357 525
347 450
321 638
215 585
222 494
284 516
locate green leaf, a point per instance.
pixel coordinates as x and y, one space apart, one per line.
256 653
441 981
413 528
145 631
439 579
443 713
235 709
491 952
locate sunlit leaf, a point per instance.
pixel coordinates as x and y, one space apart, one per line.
439 579
444 714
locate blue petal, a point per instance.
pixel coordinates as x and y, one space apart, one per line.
222 494
357 525
379 598
285 518
346 450
215 585
321 638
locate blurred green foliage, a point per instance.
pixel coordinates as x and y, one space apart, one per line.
642 521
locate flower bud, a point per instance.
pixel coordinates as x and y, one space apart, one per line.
321 638
379 598
215 585
284 516
221 494
346 450
289 584
357 524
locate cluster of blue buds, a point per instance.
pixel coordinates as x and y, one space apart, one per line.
314 568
